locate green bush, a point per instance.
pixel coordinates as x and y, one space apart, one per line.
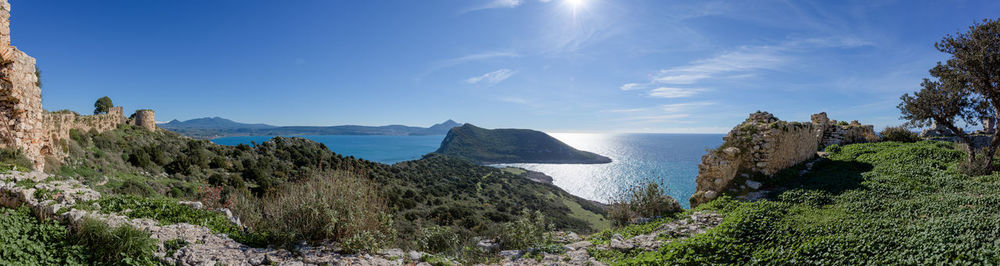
646 200
119 245
439 239
530 230
14 159
899 134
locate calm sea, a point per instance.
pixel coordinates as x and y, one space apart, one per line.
671 159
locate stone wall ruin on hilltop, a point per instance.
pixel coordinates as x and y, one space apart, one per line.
763 146
24 125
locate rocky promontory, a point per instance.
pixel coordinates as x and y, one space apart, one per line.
485 146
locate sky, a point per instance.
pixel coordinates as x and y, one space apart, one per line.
553 65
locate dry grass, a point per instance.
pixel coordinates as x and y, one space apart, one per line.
339 207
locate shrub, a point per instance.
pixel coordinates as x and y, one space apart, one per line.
340 207
899 134
439 239
14 159
647 200
122 244
530 230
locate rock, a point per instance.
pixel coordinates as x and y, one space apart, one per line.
731 151
753 184
711 194
511 254
487 245
415 256
579 245
197 205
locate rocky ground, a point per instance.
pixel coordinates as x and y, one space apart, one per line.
47 197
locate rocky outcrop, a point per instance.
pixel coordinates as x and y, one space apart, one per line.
936 131
763 145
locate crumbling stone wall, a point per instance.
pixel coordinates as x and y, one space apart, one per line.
57 126
20 96
762 146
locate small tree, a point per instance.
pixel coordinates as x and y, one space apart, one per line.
103 105
967 86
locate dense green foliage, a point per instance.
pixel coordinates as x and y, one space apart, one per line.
103 105
486 146
899 134
875 203
26 241
436 190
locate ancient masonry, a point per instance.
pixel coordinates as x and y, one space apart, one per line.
24 124
762 146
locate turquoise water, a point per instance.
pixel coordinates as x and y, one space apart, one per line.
671 159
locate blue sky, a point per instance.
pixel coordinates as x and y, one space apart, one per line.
556 65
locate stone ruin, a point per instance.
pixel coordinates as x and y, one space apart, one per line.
763 145
24 125
937 131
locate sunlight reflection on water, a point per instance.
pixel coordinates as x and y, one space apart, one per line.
668 158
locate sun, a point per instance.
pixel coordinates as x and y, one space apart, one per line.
576 3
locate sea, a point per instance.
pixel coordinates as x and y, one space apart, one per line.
668 159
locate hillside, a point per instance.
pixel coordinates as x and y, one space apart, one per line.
214 127
485 146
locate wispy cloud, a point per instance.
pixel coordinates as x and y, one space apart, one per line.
494 4
671 92
492 77
447 63
741 62
683 107
631 86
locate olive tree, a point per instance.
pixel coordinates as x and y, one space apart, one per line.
103 105
965 88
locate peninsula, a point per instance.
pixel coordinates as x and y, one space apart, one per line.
485 146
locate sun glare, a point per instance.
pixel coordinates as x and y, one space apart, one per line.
576 3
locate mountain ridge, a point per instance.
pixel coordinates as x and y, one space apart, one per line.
215 127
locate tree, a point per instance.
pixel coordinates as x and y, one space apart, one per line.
103 105
966 88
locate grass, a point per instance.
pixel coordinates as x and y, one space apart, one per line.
874 203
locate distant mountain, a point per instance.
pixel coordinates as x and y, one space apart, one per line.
213 127
486 146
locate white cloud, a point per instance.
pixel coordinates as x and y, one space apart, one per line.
495 4
683 107
742 60
670 92
631 86
492 77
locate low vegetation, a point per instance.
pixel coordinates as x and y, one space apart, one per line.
645 200
874 203
289 190
899 134
25 240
